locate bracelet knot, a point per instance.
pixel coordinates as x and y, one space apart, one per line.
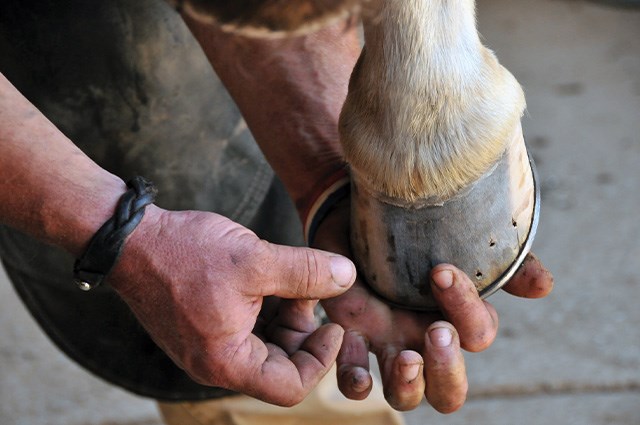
92 268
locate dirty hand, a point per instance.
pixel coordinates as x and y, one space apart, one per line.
418 353
197 282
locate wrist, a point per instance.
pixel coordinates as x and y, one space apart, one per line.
106 245
69 220
138 253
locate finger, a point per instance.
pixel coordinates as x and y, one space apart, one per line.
475 320
294 322
402 379
531 280
445 370
272 376
318 353
293 272
354 379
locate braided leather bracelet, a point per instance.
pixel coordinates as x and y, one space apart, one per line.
92 268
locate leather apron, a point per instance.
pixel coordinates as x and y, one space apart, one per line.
126 82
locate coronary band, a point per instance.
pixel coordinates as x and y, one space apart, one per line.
92 268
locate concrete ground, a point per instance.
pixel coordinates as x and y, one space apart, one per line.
572 358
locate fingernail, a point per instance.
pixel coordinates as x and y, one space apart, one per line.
441 337
359 383
443 279
342 271
410 372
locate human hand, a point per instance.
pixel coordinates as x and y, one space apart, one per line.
197 282
418 352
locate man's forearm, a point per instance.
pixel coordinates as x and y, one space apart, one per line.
290 92
48 187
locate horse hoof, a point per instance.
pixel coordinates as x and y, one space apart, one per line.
486 230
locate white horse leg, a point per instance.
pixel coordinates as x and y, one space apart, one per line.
431 130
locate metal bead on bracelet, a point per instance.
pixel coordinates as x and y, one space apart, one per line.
93 267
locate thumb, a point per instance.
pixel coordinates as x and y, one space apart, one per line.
307 273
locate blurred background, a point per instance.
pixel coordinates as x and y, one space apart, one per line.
572 358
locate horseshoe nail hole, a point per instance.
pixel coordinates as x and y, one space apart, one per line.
478 275
514 223
492 242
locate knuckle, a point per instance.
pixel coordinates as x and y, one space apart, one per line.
251 258
294 268
311 262
478 328
306 275
239 257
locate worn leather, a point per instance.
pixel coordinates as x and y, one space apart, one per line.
126 82
94 265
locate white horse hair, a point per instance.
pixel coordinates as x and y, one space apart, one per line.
429 108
